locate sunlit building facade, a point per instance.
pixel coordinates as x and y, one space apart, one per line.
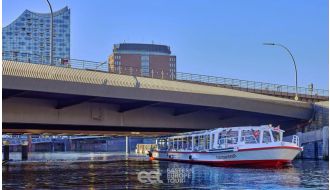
150 60
28 37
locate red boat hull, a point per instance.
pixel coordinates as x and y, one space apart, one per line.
237 163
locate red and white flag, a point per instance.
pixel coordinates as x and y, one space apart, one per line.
277 128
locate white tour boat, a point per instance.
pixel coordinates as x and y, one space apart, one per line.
248 146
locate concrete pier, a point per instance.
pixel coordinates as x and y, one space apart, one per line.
67 145
325 142
53 146
25 150
29 137
5 150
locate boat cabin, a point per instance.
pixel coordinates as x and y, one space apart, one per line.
221 138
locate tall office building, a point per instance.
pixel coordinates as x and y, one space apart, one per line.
28 37
149 60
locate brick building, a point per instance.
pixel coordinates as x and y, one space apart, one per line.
150 60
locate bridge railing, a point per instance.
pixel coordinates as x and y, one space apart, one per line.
169 74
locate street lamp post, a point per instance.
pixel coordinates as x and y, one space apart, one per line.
294 63
51 33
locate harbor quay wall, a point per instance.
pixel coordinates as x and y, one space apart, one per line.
315 143
111 144
117 144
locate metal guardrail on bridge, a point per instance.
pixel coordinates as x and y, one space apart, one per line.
237 84
19 139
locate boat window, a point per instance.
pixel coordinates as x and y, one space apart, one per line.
230 136
170 144
179 143
162 144
207 140
222 134
256 135
184 143
175 145
266 137
250 136
201 144
212 141
196 140
276 136
189 143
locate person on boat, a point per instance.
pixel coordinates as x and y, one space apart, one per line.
256 133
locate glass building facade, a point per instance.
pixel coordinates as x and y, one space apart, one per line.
27 38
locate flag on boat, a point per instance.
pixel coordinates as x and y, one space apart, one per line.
277 128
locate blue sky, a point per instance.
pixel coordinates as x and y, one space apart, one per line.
212 37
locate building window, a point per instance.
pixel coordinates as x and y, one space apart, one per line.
145 65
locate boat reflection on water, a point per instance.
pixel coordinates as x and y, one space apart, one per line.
218 177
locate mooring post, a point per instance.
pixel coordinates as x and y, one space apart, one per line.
5 150
25 150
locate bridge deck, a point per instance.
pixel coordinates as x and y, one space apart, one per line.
166 105
28 70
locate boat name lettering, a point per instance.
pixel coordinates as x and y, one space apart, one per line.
226 156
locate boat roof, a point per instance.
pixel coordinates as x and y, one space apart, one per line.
180 135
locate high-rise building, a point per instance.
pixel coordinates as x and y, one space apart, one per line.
28 37
149 60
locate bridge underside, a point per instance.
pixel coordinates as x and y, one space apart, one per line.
41 112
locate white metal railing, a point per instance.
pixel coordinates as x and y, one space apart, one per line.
295 140
41 140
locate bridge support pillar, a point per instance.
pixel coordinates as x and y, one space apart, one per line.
5 150
127 145
67 145
25 150
53 146
30 143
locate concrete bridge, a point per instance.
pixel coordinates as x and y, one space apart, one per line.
42 98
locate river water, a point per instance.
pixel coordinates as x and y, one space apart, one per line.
116 171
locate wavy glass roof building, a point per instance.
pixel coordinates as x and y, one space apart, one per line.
28 37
